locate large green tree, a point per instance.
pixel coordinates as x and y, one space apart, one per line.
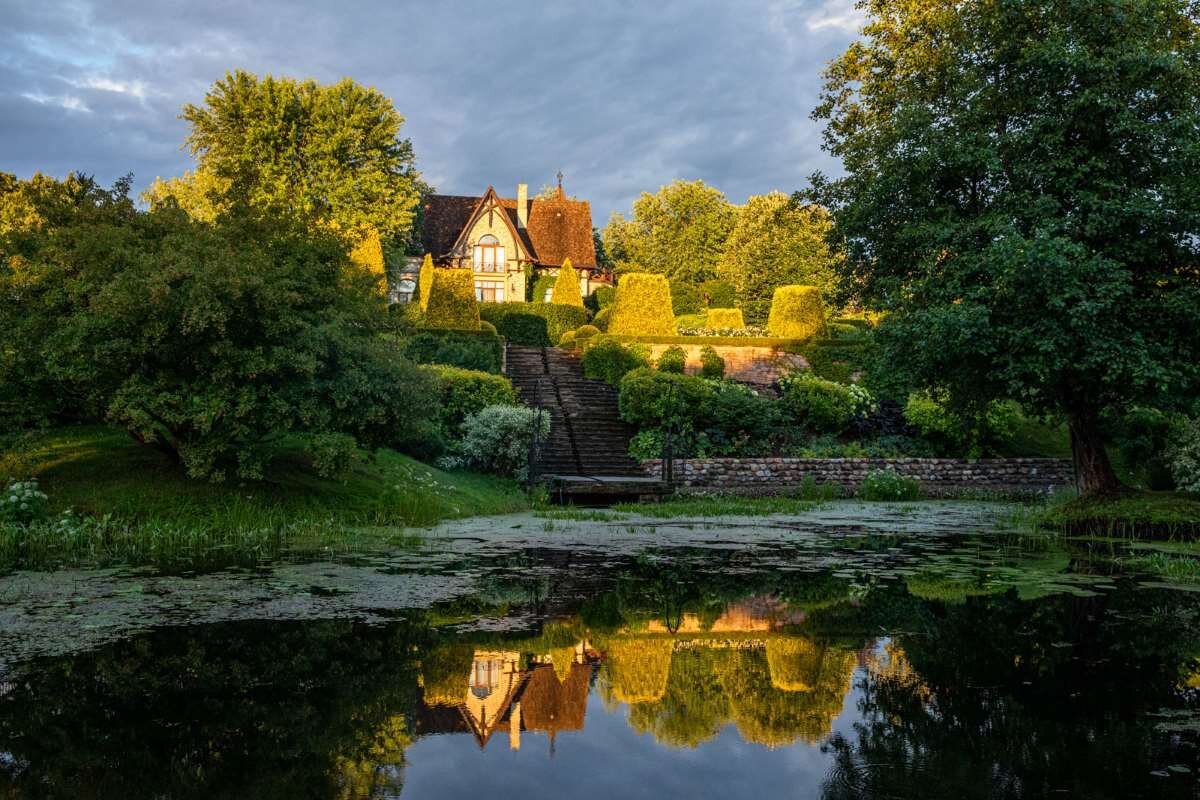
221 344
679 231
322 154
777 241
1022 193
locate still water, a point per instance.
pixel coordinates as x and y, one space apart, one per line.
768 658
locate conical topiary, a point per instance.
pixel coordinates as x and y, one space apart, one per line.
566 287
425 282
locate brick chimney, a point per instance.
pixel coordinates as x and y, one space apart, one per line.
522 205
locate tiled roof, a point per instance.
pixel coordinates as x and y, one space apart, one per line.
558 228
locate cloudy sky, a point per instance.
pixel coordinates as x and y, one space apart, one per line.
622 97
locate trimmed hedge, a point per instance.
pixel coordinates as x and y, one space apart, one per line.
796 312
566 286
642 306
601 318
725 318
791 345
452 301
462 392
837 359
587 332
478 350
425 282
534 324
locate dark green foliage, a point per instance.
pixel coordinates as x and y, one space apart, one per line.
718 294
541 286
837 359
478 350
604 296
818 404
960 432
601 318
711 364
452 303
556 319
211 342
650 398
462 392
609 360
1141 436
685 298
1022 195
673 359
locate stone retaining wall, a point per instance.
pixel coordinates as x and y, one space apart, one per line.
743 363
938 476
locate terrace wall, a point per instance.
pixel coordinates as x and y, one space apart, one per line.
743 363
938 476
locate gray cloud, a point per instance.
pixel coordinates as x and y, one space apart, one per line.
622 97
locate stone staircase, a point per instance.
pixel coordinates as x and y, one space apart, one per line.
587 436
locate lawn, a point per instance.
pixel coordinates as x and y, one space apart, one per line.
141 508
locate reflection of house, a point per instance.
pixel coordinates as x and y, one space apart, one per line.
497 694
756 615
503 241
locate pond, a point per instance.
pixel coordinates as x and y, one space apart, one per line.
852 651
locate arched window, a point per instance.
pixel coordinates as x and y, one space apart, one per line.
488 255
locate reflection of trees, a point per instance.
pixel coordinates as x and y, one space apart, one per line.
774 717
264 710
791 690
1022 699
693 707
637 669
446 671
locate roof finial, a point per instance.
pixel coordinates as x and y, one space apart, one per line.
560 179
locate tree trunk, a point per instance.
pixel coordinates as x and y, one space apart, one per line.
1093 471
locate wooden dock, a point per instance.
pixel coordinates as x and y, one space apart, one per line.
603 489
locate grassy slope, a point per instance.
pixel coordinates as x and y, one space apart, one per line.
98 470
1154 515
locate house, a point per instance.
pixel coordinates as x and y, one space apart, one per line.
508 242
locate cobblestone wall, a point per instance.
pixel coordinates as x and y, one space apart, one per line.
938 476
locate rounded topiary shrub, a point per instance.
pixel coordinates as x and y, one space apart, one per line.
796 312
604 296
452 301
567 340
484 325
642 306
586 332
602 317
609 361
462 392
725 319
673 359
711 364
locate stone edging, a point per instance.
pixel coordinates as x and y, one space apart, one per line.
938 476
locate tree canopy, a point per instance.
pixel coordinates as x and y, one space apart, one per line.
679 231
1022 194
218 343
777 241
322 154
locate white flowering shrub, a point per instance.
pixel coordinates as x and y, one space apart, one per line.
496 439
864 402
23 503
887 484
1183 456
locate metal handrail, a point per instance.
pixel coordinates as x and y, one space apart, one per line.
535 435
